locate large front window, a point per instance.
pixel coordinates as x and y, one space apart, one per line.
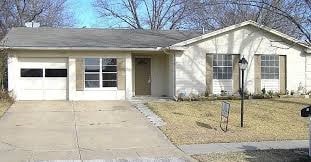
269 67
222 66
100 72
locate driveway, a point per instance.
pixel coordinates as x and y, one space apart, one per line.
60 130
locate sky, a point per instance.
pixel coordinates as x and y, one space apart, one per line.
84 14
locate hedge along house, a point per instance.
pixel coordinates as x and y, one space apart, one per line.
106 64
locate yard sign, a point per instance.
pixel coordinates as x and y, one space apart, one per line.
224 116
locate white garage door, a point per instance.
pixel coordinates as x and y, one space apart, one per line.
42 79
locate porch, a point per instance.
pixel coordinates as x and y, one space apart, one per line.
153 75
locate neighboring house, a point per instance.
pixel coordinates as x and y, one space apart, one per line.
103 64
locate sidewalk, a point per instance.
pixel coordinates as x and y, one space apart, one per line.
195 149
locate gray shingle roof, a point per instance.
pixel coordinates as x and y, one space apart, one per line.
103 38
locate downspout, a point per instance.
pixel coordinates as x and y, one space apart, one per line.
166 51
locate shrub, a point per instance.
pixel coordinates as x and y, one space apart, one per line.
258 96
206 93
194 97
270 93
263 91
223 93
228 98
5 96
181 97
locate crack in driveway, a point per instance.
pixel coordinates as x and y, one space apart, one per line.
76 131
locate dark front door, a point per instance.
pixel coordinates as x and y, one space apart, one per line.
142 76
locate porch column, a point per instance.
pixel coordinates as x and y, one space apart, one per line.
257 74
282 79
129 76
71 83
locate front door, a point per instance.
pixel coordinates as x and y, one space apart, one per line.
142 76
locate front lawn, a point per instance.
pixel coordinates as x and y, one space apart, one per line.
257 156
198 122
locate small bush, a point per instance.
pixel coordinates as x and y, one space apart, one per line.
228 98
259 96
194 97
223 93
270 93
5 96
206 93
263 91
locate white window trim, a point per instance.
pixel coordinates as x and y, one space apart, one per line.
218 66
100 88
269 66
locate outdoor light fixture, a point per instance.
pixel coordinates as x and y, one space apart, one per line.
243 65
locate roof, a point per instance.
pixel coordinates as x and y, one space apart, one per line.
233 27
94 38
118 39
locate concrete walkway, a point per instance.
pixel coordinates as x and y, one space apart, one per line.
140 104
243 146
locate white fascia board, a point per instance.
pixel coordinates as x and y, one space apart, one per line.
175 48
84 48
158 49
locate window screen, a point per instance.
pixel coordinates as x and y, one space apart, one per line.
222 66
269 67
55 72
31 73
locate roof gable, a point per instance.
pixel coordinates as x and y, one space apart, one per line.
237 26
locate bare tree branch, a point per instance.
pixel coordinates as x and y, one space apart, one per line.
156 14
15 13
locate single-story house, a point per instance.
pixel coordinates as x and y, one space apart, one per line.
116 64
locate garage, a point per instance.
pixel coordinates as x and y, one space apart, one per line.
42 79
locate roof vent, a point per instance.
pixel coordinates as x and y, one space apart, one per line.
32 24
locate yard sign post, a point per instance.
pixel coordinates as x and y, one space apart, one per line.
224 115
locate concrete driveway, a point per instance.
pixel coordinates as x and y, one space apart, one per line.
60 130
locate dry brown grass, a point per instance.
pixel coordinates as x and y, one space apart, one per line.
257 156
198 122
4 105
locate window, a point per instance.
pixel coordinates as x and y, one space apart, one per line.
269 67
31 73
222 66
109 72
100 72
92 72
55 72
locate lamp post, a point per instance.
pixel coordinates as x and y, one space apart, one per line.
243 65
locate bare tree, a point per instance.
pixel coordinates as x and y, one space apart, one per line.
3 68
292 17
14 13
139 14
